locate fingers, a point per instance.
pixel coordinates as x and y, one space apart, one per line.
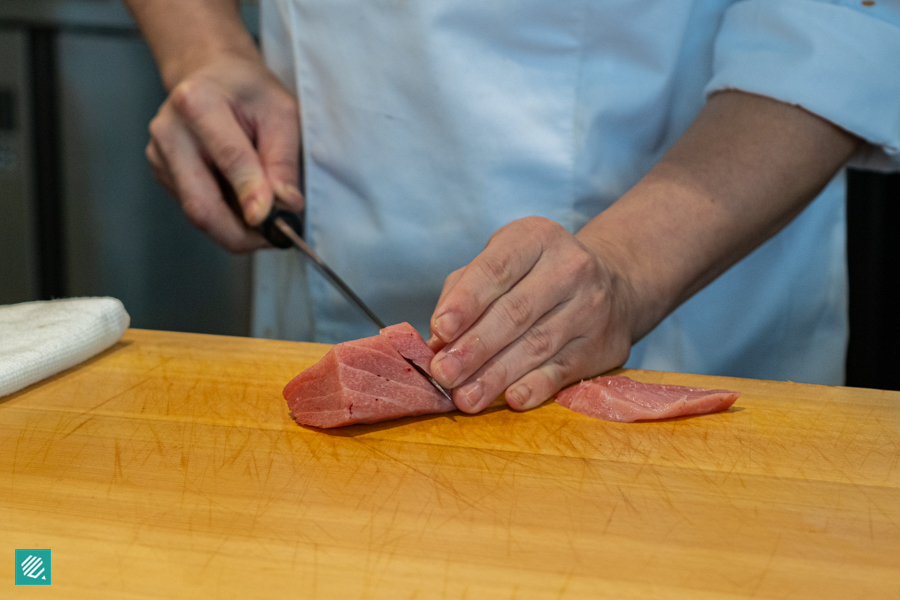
531 350
560 320
489 291
435 342
505 320
509 255
539 384
178 163
233 117
212 121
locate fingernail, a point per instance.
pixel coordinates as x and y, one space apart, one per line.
520 395
446 325
249 206
447 370
254 212
472 393
291 195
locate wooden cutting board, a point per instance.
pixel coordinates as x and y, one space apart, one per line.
168 467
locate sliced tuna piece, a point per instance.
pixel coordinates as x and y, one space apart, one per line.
624 400
364 381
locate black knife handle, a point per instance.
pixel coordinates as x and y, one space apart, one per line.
267 228
273 234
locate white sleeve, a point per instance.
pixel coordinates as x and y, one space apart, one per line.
837 59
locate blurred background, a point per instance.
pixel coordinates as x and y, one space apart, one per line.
80 212
81 215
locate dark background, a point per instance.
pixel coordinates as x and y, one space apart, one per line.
873 245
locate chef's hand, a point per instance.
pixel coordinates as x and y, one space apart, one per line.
540 308
232 114
535 311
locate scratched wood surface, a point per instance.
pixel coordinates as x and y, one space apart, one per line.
168 467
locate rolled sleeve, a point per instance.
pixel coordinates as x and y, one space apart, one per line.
838 60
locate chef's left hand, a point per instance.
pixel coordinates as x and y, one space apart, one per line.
535 311
540 308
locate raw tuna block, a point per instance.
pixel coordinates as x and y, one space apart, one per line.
366 381
624 400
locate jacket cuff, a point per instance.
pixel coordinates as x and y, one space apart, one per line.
838 62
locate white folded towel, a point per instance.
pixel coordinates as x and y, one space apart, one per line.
40 339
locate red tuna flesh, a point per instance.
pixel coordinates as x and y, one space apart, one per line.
624 400
364 381
407 341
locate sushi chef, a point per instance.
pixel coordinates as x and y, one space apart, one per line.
547 189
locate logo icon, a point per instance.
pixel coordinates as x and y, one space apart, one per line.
32 567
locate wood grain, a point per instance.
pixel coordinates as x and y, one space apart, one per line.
168 467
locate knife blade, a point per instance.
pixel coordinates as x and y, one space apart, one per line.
280 222
283 228
298 242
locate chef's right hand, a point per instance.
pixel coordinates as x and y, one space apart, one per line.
235 115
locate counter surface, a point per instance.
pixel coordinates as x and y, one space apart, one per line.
168 467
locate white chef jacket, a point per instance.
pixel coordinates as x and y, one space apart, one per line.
429 124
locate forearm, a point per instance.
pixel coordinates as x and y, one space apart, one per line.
185 34
742 171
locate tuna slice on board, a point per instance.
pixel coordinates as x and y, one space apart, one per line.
624 400
367 381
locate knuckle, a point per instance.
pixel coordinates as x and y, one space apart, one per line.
541 224
497 269
157 127
517 310
538 342
581 269
187 99
540 228
454 275
599 301
230 157
580 264
449 282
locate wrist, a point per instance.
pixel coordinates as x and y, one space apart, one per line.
646 239
637 305
187 35
175 69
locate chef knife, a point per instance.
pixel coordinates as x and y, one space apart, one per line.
283 229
